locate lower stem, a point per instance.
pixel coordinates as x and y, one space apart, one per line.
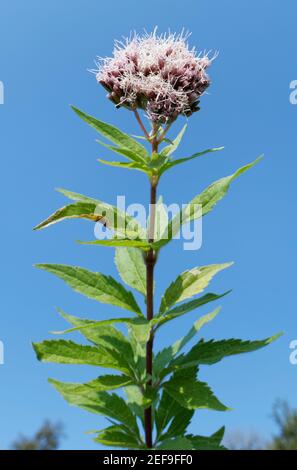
150 264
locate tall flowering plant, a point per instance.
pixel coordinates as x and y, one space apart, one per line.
163 77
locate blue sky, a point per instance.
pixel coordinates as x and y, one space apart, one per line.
46 49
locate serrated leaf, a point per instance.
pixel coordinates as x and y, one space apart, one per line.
177 443
210 352
212 442
171 163
117 436
96 286
192 394
128 166
166 355
186 307
125 152
113 134
104 334
68 352
179 345
103 403
188 284
135 401
131 267
108 382
96 211
114 242
170 412
206 200
161 219
169 149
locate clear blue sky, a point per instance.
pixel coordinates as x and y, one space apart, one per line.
46 49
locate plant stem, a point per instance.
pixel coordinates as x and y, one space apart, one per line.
138 118
150 264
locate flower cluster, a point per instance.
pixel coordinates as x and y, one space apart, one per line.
157 73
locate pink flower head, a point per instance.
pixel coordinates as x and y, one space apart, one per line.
157 73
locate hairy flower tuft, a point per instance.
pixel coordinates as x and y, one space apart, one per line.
157 73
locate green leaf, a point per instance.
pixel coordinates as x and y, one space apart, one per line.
96 286
131 155
114 135
103 334
161 219
128 166
131 268
212 442
117 436
179 345
96 211
207 200
210 352
169 149
81 210
114 242
186 307
192 394
177 443
171 163
104 383
166 355
103 403
188 284
68 352
135 401
171 413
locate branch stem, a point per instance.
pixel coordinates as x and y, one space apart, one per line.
138 118
150 265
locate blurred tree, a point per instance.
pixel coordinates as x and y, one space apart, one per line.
286 419
240 440
48 437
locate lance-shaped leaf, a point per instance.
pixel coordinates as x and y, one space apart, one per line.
166 355
104 334
115 242
188 284
68 352
127 165
96 286
103 403
115 135
96 211
193 394
161 218
186 307
108 382
210 352
169 149
117 436
205 201
177 443
131 268
170 412
212 442
135 401
131 155
171 163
